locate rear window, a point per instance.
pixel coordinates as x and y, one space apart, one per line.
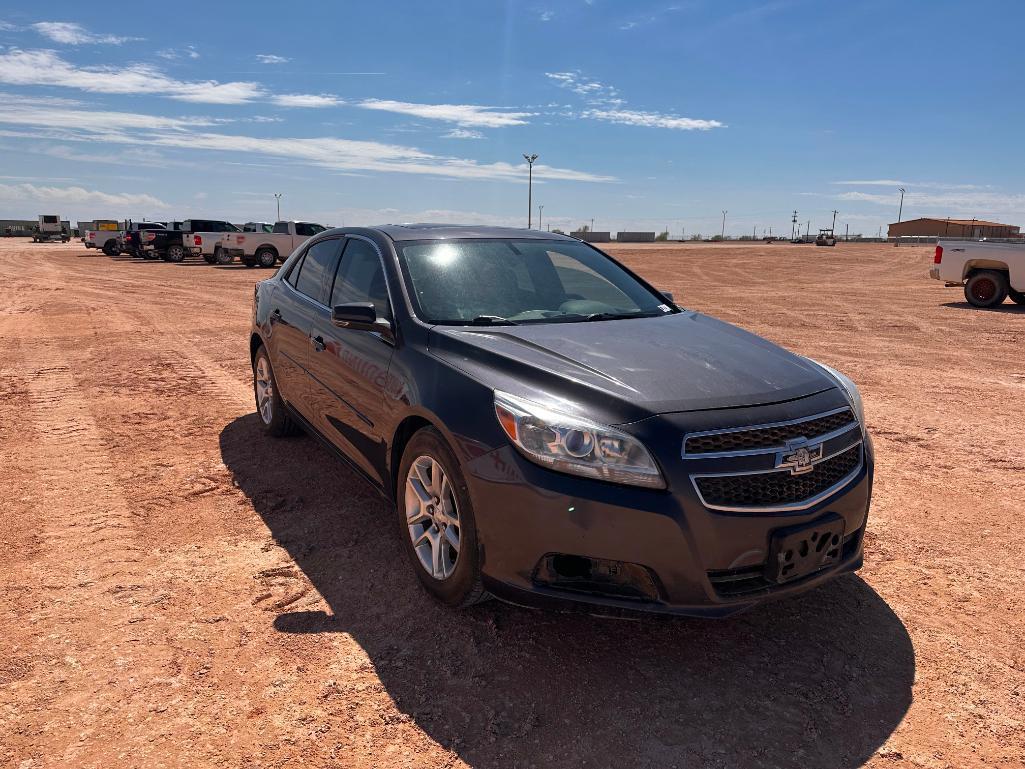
50 219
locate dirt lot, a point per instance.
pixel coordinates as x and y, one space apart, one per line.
179 591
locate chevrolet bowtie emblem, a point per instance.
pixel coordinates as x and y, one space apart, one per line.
799 456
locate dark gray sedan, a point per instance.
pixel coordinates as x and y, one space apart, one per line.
552 429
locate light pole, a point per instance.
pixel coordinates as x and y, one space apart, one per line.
530 185
900 210
540 208
723 233
833 229
277 199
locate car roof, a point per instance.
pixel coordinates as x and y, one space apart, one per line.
428 231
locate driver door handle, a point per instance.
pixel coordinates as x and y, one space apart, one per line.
318 343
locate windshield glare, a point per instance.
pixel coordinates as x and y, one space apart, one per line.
521 281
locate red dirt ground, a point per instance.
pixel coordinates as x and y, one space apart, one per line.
179 591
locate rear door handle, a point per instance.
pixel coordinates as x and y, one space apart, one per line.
318 343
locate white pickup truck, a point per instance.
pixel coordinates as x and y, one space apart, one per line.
265 248
107 237
989 272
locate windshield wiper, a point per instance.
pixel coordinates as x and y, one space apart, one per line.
492 320
620 315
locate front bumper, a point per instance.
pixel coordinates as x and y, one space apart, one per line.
702 562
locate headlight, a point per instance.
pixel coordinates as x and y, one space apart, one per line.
848 387
574 445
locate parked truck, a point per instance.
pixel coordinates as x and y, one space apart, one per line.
163 243
265 249
989 272
201 238
50 229
130 241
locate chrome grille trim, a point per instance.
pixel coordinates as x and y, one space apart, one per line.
768 426
802 505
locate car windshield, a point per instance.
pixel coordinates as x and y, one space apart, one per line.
496 282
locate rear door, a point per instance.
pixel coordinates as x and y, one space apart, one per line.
349 368
294 304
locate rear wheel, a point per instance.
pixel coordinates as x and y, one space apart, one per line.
266 257
1018 297
276 419
986 288
175 253
208 258
437 522
110 248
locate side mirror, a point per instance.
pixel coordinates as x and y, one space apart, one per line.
668 295
360 316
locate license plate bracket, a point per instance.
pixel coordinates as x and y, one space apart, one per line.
797 551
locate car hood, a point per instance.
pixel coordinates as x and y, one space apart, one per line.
632 369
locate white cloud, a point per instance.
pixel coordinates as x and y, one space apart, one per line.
954 203
270 58
344 155
461 114
6 26
70 33
173 54
594 91
547 15
898 183
462 133
306 100
77 196
18 67
651 119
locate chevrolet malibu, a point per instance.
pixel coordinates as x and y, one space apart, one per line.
551 429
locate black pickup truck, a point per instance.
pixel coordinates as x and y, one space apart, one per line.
131 241
162 243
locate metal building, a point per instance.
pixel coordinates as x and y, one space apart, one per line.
954 228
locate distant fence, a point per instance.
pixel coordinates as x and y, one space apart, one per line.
635 237
593 237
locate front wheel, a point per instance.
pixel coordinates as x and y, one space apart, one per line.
222 256
437 522
986 289
1018 297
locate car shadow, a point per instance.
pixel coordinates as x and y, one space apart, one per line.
1007 307
818 680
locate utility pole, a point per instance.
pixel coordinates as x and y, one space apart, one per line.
592 224
723 234
793 226
807 232
539 210
835 212
846 232
530 185
900 210
277 198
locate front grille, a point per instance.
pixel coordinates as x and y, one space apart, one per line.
751 580
769 437
777 489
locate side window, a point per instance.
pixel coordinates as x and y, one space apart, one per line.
293 276
304 229
360 278
315 270
280 228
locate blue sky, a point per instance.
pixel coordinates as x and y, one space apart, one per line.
644 115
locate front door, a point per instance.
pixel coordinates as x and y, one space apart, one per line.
349 368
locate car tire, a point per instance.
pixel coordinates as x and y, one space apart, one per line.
222 257
424 515
986 288
209 258
275 418
266 257
110 248
1018 297
175 253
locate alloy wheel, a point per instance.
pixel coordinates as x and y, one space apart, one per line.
264 390
432 517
